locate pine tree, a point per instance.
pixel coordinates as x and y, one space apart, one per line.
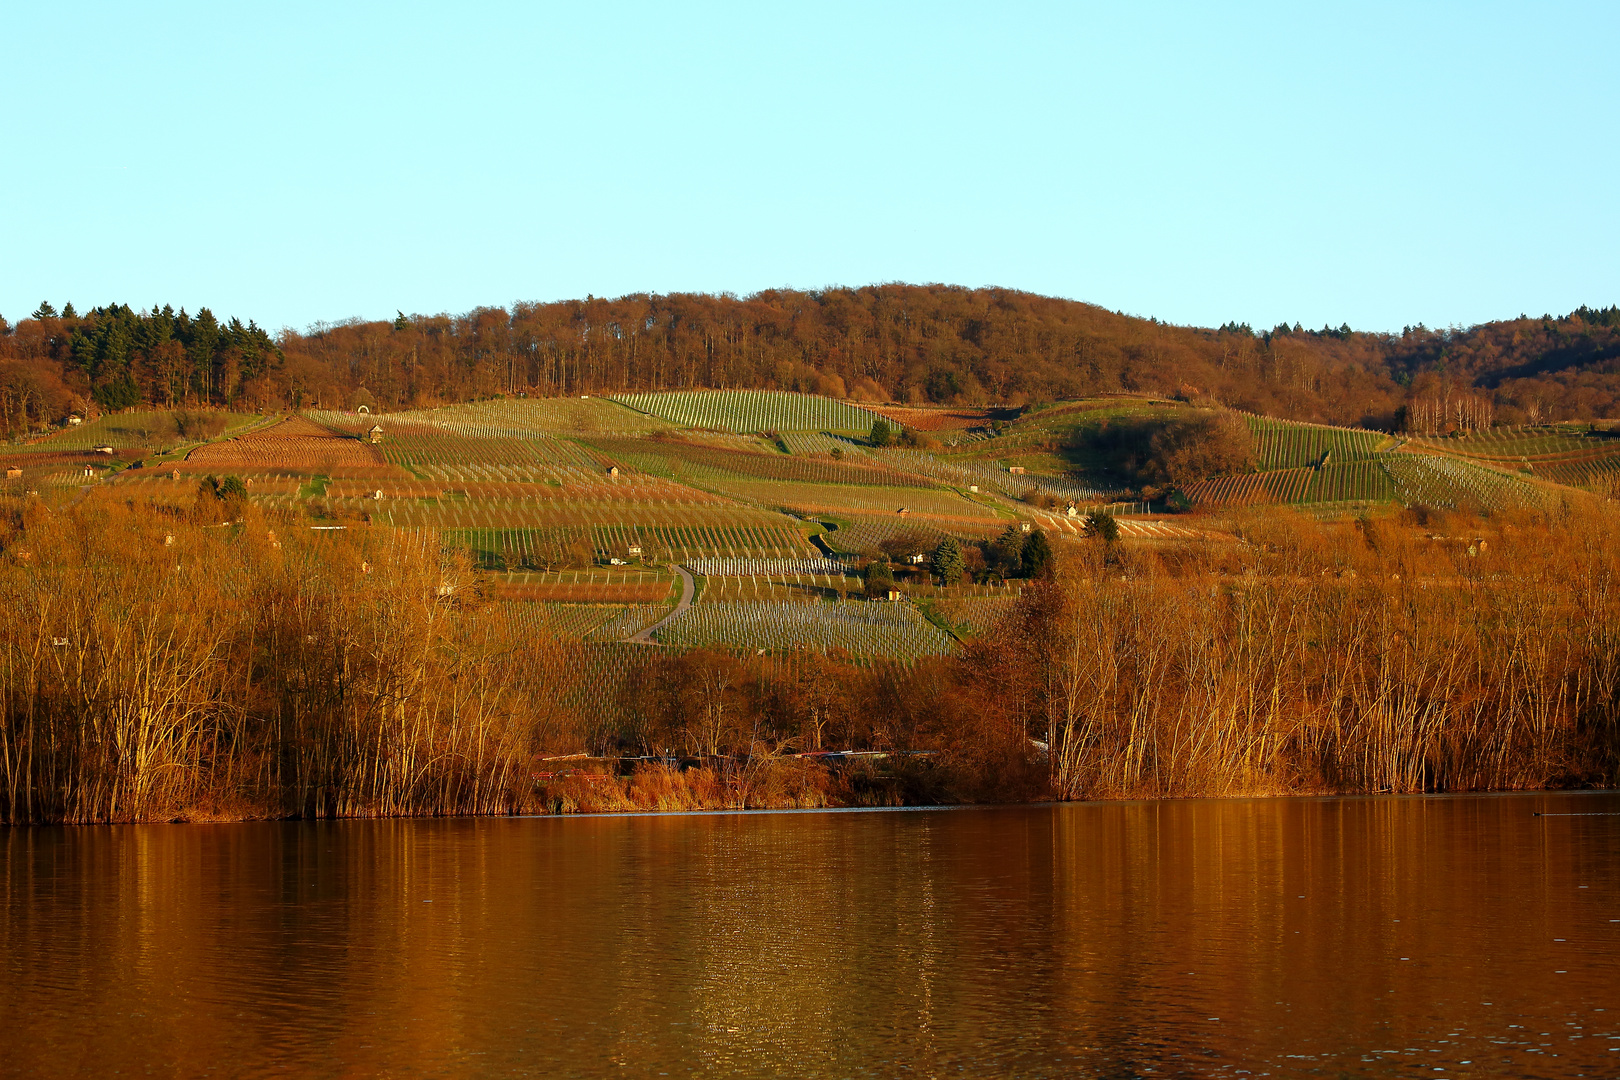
1007 553
1037 555
68 312
882 433
45 311
400 321
947 561
1103 526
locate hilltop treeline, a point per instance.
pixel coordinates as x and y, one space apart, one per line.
907 343
203 661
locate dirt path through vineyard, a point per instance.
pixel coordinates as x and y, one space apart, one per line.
688 590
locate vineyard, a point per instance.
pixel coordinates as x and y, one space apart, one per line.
576 513
696 544
1439 481
863 628
526 620
751 410
1407 478
293 445
506 418
808 443
1517 444
802 588
1351 481
765 567
705 464
584 586
136 430
1577 459
1281 444
933 419
974 614
990 476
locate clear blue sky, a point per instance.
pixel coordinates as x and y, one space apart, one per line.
1380 164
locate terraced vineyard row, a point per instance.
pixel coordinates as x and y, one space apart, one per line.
797 588
1438 481
1515 444
864 628
294 444
1281 444
1352 481
978 614
1281 486
583 622
696 463
765 567
814 500
1584 473
142 430
507 418
860 535
424 446
751 410
807 443
518 513
988 476
515 548
586 587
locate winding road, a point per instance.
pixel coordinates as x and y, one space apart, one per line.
688 590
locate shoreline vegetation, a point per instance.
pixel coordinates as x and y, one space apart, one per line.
212 662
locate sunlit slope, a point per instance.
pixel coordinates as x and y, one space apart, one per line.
751 410
1305 464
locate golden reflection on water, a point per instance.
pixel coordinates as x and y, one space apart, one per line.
1353 937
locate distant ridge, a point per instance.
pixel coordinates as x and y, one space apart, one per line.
909 344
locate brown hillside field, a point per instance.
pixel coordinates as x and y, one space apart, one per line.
932 419
294 444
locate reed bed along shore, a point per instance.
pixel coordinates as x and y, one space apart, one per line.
205 661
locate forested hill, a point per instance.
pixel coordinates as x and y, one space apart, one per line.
912 343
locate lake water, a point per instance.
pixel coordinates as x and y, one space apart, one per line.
1295 937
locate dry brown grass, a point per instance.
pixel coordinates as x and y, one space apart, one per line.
1342 657
154 666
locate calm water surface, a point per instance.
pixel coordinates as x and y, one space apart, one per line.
1300 937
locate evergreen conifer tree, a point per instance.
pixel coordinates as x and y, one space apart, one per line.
1037 555
1007 553
1103 526
947 561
